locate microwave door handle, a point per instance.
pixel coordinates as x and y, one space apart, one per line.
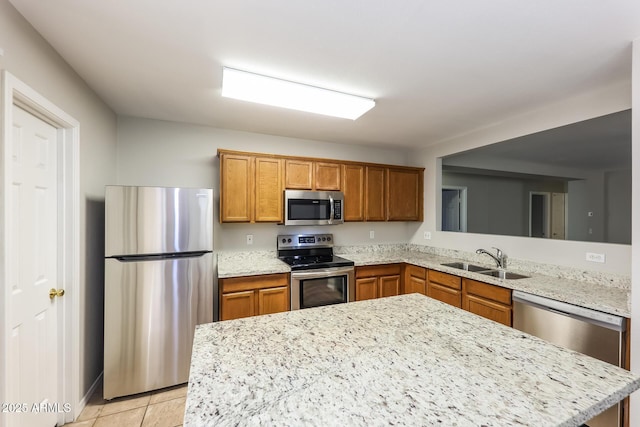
331 215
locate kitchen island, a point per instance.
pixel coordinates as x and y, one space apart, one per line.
405 360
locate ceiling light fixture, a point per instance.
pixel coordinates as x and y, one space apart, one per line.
297 96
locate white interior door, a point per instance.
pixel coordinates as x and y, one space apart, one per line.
454 209
32 359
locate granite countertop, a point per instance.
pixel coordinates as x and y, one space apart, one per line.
405 360
603 294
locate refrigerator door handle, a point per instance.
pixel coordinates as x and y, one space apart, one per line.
159 257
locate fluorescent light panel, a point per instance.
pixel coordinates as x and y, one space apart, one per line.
281 93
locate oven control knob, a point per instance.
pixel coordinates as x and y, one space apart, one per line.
289 240
284 240
328 238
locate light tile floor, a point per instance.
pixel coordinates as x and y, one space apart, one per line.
160 408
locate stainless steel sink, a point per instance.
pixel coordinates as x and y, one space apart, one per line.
502 274
466 266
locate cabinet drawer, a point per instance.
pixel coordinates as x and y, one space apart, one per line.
419 272
378 270
248 283
485 290
445 279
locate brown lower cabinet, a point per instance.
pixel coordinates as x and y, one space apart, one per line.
445 287
415 280
377 281
486 300
253 295
489 301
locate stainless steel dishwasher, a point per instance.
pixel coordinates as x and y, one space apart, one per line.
594 333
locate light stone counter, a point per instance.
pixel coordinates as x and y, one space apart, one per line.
405 360
608 293
602 296
253 263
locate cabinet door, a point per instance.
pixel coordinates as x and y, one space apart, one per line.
415 285
235 305
298 174
489 309
269 190
236 187
388 286
445 294
353 188
404 195
374 199
366 288
327 176
273 300
415 280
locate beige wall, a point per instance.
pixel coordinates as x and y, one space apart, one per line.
29 58
153 152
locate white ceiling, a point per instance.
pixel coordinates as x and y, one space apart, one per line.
436 68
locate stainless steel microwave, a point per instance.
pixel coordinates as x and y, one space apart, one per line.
313 207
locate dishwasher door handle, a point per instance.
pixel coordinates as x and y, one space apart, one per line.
610 321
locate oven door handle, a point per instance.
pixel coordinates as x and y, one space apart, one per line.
321 272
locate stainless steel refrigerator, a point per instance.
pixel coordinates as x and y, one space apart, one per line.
158 284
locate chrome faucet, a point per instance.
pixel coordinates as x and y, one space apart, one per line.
500 257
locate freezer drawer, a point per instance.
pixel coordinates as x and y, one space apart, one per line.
155 220
151 310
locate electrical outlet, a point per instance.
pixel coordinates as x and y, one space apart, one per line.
249 239
427 235
593 257
372 234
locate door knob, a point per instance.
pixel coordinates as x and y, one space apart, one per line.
55 293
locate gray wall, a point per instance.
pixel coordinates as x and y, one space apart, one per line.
498 205
28 57
618 206
153 152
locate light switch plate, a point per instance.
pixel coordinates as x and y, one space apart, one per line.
249 239
372 234
593 257
427 235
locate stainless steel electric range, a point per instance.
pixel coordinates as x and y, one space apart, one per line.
318 277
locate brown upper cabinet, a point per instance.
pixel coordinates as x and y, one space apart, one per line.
252 186
327 176
269 203
299 174
405 194
236 187
312 175
353 188
375 198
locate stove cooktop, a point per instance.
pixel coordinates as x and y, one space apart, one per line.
309 251
316 262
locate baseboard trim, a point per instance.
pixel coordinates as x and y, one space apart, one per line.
85 399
